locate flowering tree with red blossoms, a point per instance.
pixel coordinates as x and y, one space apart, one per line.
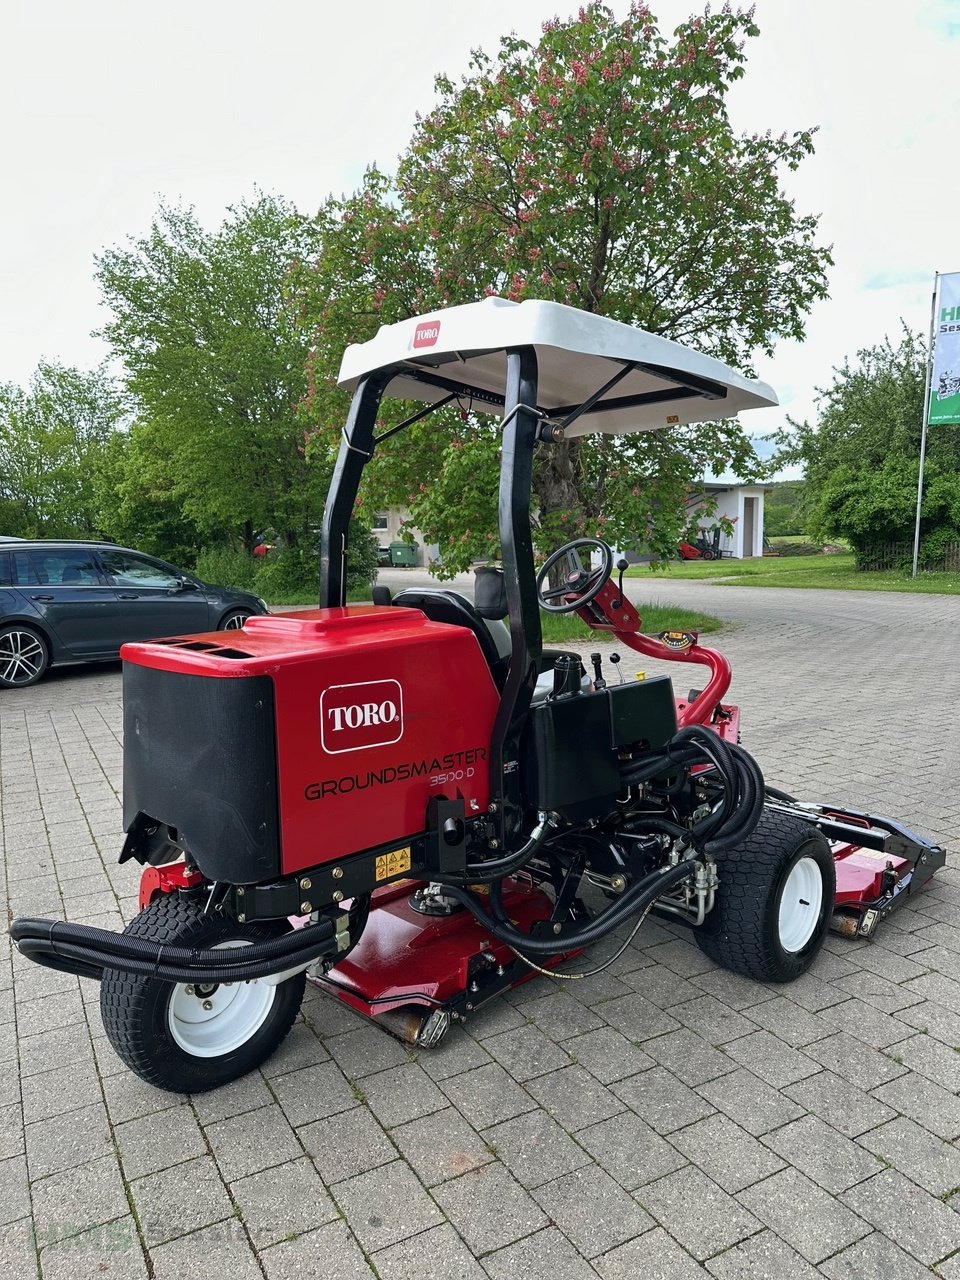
597 168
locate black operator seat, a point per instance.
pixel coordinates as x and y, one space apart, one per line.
441 605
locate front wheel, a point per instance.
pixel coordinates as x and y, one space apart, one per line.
234 620
189 1037
24 656
774 901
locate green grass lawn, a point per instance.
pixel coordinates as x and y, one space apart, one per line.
836 572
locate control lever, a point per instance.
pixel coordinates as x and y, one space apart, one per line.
598 680
622 566
615 659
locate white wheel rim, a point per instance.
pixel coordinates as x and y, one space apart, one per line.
800 905
21 656
209 1023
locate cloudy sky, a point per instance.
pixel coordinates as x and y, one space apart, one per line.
109 106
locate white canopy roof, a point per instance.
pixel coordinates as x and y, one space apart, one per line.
462 350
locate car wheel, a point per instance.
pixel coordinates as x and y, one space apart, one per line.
774 901
234 620
189 1037
24 656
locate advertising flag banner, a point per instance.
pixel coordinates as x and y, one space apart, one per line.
944 404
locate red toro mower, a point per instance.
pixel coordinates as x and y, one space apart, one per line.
418 805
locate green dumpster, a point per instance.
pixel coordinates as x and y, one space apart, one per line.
403 554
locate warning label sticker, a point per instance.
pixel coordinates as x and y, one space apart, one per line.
393 864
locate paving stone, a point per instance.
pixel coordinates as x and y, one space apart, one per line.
158 1141
253 1141
456 1053
441 1146
62 1009
281 1202
535 1148
726 1153
924 1158
109 1252
652 1256
559 1015
608 1055
829 1159
249 1093
636 1017
712 1021
840 1104
856 1062
924 1101
487 1095
874 1258
54 1093
574 1098
489 1208
931 1058
805 1216
763 1255
680 956
697 1213
388 1204
346 1145
332 1246
769 1058
629 1150
56 1047
313 1093
689 1057
592 1211
180 1200
327 1016
733 989
545 1256
924 1226
662 1100
526 1052
437 1254
812 994
878 992
662 987
14 1190
401 1094
865 1023
751 1103
130 1098
68 1141
221 1249
365 1051
65 1205
11 1130
497 1016
933 1020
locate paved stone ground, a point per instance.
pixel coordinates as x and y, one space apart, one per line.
665 1120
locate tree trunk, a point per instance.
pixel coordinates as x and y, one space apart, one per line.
557 489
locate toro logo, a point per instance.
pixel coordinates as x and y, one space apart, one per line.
426 334
356 716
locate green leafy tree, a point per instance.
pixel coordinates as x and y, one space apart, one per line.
597 167
217 365
54 437
861 457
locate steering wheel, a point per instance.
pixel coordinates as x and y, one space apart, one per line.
579 585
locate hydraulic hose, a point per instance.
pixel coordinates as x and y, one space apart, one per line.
490 872
634 901
87 951
741 802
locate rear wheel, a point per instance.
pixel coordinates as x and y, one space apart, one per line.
774 901
24 656
189 1037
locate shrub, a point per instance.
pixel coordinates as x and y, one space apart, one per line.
227 567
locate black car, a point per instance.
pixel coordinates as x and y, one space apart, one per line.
66 601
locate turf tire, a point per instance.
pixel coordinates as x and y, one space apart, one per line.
136 1010
743 932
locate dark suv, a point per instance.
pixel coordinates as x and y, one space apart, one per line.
80 601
